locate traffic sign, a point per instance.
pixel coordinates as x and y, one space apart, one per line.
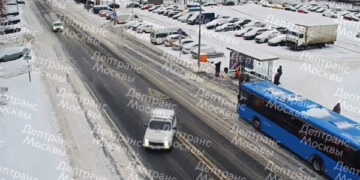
179 31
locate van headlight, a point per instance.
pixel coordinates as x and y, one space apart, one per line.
146 142
166 144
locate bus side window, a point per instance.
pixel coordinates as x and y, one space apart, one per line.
244 97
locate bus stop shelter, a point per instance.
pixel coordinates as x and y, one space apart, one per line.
256 64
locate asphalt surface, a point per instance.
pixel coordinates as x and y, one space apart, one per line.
130 121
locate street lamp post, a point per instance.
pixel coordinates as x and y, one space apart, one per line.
200 18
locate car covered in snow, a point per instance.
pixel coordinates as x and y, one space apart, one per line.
172 38
241 32
9 21
215 23
330 13
210 52
255 24
186 49
227 27
254 32
154 8
264 37
11 54
9 29
277 40
144 28
351 17
177 45
160 130
358 35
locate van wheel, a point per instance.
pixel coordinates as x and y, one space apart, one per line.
318 164
256 123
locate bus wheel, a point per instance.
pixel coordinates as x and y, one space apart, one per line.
317 164
256 123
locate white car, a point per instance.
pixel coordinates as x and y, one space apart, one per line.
177 46
277 40
145 28
330 13
210 52
160 130
189 47
227 27
254 32
264 37
185 17
320 10
57 26
342 13
255 24
171 38
215 23
243 31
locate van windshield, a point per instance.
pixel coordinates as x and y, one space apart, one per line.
160 125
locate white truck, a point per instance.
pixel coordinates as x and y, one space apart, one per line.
303 36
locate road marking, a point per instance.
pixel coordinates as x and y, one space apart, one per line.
158 94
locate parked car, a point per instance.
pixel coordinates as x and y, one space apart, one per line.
209 4
282 30
342 13
178 15
57 26
210 52
9 29
133 5
177 45
146 6
215 23
190 46
302 11
243 31
203 19
11 54
169 40
314 8
350 17
358 35
330 13
320 10
154 8
234 20
255 24
227 27
254 32
20 1
277 6
264 37
229 3
173 13
289 7
160 130
103 13
277 40
185 17
11 3
112 5
98 8
159 10
243 22
144 28
10 13
222 17
10 21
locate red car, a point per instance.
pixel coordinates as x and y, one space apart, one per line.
146 7
302 11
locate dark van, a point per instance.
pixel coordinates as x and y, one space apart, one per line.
205 18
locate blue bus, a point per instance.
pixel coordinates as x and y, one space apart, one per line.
328 141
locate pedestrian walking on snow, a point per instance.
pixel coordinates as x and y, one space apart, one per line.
217 69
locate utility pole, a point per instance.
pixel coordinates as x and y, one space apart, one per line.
114 12
200 19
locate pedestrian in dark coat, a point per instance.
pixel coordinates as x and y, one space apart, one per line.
217 69
337 108
276 79
279 70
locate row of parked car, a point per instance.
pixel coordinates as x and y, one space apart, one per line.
325 10
9 18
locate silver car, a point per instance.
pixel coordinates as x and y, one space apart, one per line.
160 130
